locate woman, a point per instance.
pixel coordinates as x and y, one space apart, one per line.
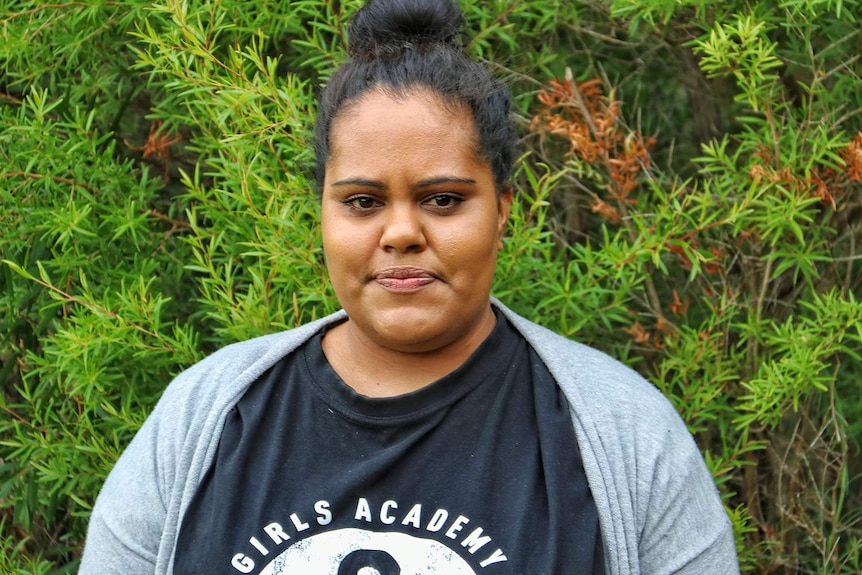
426 428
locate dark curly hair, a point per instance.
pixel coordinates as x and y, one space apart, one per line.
399 45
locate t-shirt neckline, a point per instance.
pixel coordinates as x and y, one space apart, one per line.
490 360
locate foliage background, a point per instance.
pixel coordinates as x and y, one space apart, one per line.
690 200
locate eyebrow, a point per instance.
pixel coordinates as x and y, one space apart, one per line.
421 184
358 182
444 180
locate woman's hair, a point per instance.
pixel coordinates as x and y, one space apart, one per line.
400 45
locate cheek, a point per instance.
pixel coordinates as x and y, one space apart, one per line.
473 249
332 229
333 248
346 250
328 243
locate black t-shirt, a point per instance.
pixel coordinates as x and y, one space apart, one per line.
478 472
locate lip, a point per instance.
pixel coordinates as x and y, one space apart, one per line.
404 279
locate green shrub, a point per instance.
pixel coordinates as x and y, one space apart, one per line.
154 165
741 300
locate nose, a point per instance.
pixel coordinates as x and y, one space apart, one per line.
402 229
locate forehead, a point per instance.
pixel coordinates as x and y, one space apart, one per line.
394 124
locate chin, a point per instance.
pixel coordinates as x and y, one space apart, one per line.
419 331
410 336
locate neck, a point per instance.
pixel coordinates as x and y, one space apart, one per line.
375 370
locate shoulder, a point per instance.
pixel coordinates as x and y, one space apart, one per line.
190 413
626 428
231 369
591 378
166 460
620 418
657 501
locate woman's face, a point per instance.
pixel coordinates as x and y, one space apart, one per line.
412 222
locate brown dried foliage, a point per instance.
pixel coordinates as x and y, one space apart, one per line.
826 184
582 114
157 147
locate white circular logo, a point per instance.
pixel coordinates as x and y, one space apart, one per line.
360 552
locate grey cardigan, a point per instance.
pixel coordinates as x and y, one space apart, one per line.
658 507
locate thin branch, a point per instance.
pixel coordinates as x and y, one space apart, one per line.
9 98
652 292
113 315
58 179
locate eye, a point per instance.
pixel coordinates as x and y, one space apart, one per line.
443 201
361 203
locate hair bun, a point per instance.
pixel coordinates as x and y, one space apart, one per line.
384 27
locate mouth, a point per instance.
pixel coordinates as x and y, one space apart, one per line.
404 279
